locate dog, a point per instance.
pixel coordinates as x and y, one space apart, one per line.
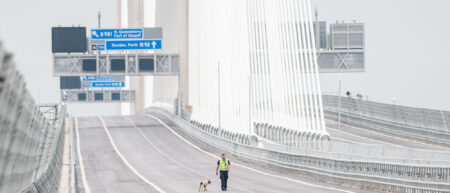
203 184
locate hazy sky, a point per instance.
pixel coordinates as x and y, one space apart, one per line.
25 28
407 43
408 49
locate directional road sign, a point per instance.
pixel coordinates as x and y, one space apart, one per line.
133 45
87 85
108 84
100 47
116 34
98 78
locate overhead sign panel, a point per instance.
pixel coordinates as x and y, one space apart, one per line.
69 39
133 45
116 34
108 84
69 82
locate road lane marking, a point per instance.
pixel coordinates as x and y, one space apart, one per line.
111 140
170 158
362 137
242 166
395 137
162 153
80 159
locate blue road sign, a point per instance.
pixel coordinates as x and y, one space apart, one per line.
108 84
100 47
98 78
133 45
116 33
88 85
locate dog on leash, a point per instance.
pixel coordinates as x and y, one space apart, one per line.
203 184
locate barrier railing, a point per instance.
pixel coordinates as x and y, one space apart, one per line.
30 145
427 125
415 117
387 174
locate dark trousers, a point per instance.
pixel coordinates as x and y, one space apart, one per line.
224 179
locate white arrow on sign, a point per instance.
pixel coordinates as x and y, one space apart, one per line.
94 33
153 44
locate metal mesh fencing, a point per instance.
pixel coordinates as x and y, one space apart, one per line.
30 145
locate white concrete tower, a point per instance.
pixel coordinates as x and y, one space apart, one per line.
172 16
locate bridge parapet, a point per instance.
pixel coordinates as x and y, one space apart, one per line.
290 137
407 173
431 126
30 140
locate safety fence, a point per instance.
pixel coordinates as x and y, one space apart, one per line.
390 174
30 144
424 124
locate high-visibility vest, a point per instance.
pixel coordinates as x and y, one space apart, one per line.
223 165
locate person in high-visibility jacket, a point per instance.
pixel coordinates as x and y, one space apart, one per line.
224 165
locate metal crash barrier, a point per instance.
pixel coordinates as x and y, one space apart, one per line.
30 140
400 170
431 126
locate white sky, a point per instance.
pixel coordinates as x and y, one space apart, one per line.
408 48
25 28
407 43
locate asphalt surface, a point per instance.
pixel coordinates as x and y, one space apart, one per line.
359 135
145 156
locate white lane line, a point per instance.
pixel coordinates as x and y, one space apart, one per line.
170 158
80 159
394 137
248 168
161 152
125 160
362 137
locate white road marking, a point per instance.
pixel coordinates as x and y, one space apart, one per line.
161 152
378 133
125 160
242 166
346 133
168 157
80 159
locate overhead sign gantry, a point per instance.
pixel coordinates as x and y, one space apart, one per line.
98 96
92 65
110 52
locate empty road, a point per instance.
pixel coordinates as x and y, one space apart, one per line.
139 154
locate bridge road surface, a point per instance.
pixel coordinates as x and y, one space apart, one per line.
169 163
359 135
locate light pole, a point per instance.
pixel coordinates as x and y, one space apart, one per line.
250 108
218 90
339 103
